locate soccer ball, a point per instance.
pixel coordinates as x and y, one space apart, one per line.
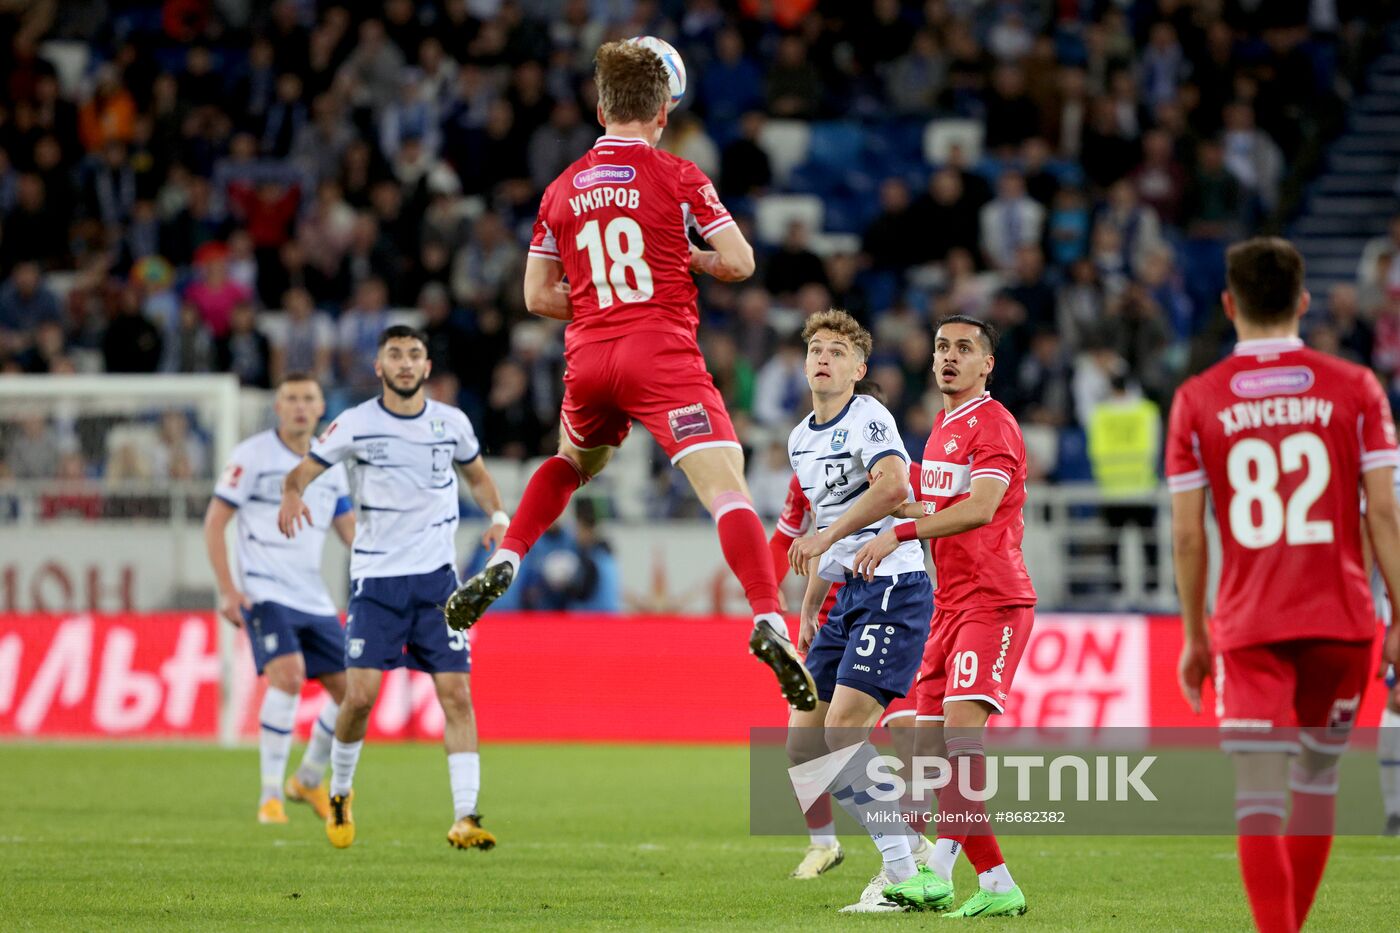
673 62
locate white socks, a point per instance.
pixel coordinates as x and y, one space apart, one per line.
996 880
318 749
276 719
945 855
1388 751
344 757
880 818
823 835
464 771
504 556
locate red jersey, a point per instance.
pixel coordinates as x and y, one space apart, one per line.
981 568
618 220
1282 434
793 522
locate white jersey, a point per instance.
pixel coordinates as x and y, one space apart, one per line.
273 568
403 482
832 461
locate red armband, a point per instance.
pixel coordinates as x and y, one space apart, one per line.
906 531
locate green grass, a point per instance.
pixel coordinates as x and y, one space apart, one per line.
592 837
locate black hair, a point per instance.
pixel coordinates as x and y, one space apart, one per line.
870 387
990 336
402 331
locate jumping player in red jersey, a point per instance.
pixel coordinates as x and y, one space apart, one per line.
824 850
972 488
1286 439
611 255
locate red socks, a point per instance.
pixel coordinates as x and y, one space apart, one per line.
745 548
959 818
1264 864
1310 827
546 496
818 815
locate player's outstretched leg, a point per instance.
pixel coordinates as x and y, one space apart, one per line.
770 644
544 500
307 785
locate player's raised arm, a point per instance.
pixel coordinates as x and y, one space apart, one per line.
546 292
730 258
294 511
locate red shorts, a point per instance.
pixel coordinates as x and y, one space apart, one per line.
900 708
971 654
1314 685
659 379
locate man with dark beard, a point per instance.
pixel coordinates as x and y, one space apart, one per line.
403 451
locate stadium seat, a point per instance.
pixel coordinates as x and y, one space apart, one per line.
775 212
70 61
834 244
836 145
940 136
787 143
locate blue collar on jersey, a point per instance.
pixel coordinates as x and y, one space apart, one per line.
812 419
399 416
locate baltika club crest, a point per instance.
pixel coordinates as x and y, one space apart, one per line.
838 438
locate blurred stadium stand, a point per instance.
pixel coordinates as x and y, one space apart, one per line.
252 187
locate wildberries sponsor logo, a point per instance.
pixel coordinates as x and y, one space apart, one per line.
605 175
1286 380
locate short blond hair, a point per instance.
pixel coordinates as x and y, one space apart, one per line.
843 325
633 83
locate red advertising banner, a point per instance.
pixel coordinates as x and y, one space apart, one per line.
548 677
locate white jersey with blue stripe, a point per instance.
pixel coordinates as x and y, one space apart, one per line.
832 460
271 567
403 480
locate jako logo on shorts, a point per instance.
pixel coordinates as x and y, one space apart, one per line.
1286 380
605 175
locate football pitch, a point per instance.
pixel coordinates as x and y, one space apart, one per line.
648 837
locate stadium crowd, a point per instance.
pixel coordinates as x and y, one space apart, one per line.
260 187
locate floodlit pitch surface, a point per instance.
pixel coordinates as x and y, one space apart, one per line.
101 837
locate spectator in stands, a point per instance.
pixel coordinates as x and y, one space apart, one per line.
946 216
33 229
1009 221
214 294
34 451
1252 158
1011 116
916 80
320 143
179 453
512 427
487 269
244 351
794 264
769 475
686 137
1043 383
892 239
1164 284
1355 335
744 166
1214 205
794 85
1138 228
130 343
732 84
733 373
556 144
1028 286
305 342
1375 248
780 388
109 114
358 341
1068 228
188 347
1107 152
1159 179
25 304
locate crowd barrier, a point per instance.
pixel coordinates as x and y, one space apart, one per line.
542 676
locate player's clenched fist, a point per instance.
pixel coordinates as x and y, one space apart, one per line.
872 552
805 550
292 514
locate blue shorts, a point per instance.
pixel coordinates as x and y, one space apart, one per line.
398 620
275 630
873 639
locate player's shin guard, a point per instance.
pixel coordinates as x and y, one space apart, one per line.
275 719
318 747
745 548
960 815
1264 864
544 500
1311 822
864 800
